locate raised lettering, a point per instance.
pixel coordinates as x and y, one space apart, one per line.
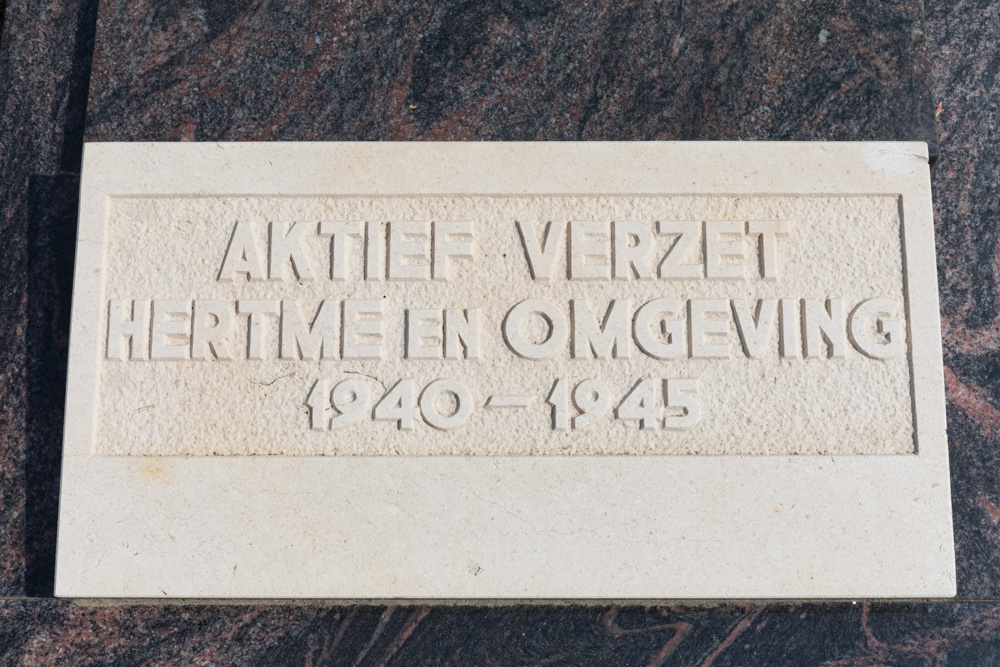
171 337
461 333
373 251
633 242
363 329
709 317
684 246
790 328
721 252
340 233
823 323
424 334
453 240
286 249
309 341
128 321
409 250
589 250
768 231
755 328
606 339
541 336
681 397
541 258
876 330
242 255
212 327
660 328
257 311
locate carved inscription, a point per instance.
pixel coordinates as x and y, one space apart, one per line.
406 323
663 328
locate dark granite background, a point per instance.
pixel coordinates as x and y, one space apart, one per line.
491 69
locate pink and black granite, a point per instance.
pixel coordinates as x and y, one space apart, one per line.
965 54
46 632
509 70
45 53
490 69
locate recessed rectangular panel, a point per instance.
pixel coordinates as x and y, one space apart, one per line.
575 319
677 370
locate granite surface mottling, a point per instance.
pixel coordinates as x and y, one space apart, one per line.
966 188
491 70
855 635
509 70
44 73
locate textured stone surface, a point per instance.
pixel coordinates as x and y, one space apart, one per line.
555 527
961 42
774 403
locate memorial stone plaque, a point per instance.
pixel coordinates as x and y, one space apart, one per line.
481 371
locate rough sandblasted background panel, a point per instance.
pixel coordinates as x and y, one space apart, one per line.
504 325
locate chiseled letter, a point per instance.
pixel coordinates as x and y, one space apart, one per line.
611 338
171 329
373 251
631 259
424 333
409 243
461 332
341 232
769 231
362 329
717 249
256 310
315 341
661 319
687 232
755 329
887 327
823 323
709 317
589 250
542 258
532 346
453 240
242 255
790 327
287 249
128 320
211 329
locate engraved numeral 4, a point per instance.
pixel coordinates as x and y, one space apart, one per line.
398 405
640 404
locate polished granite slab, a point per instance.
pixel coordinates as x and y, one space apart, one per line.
45 56
872 634
196 71
358 70
966 185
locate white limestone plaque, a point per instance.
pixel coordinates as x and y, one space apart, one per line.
484 371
